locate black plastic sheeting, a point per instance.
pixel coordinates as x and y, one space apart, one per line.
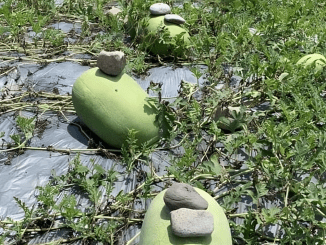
34 167
170 78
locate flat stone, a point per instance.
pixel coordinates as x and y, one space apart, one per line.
254 31
174 18
159 9
192 223
111 63
181 195
113 11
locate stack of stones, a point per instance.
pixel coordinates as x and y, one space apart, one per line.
189 217
164 9
111 63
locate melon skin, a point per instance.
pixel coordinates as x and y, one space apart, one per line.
320 61
164 48
156 228
110 106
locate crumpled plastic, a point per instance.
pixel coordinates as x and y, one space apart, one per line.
34 167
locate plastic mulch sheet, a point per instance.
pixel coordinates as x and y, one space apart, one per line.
20 175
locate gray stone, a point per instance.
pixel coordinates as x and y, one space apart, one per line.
174 18
113 11
159 9
181 195
254 31
111 63
192 223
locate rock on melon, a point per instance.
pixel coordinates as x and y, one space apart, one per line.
156 228
320 61
110 106
161 48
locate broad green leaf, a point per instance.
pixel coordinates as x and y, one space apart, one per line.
82 169
99 169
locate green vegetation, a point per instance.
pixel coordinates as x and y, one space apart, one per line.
285 144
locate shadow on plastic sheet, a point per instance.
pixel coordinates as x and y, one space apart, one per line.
75 131
88 138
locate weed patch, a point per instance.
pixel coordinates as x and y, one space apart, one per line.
219 140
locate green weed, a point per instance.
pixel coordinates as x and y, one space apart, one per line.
282 148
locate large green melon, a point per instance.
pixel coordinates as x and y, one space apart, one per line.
320 61
110 106
161 48
156 228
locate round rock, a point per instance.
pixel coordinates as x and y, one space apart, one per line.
192 223
181 195
111 63
174 18
160 9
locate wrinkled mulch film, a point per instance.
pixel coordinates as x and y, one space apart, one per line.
20 174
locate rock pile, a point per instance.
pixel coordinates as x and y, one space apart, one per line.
189 217
164 9
111 63
184 225
161 20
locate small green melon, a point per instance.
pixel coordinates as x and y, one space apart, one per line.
161 48
110 106
320 61
156 228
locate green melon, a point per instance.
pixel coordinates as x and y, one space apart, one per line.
156 228
110 106
320 61
161 48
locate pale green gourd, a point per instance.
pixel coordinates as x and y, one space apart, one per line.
161 48
110 106
320 61
156 228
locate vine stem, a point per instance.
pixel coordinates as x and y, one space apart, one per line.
133 239
62 241
286 195
15 148
240 215
225 193
68 151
